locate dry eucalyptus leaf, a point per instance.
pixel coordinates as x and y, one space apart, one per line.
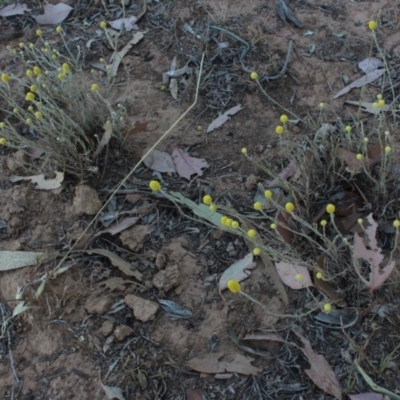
113 392
125 266
159 161
218 122
41 182
14 9
105 138
321 372
212 364
120 226
288 273
18 259
124 23
373 256
368 78
186 166
173 88
239 271
284 175
370 64
119 55
53 15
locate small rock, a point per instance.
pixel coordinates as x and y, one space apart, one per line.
107 328
251 182
149 284
86 201
167 279
134 237
98 305
122 332
217 234
161 260
143 310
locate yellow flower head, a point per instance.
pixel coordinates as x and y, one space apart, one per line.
54 57
103 24
348 128
30 96
279 130
95 87
213 207
39 32
330 208
207 199
256 251
29 72
233 286
268 194
37 70
244 150
366 140
388 149
319 275
360 221
257 206
224 218
33 88
283 118
199 128
61 77
38 115
229 222
28 121
155 185
254 76
299 277
15 110
273 226
289 207
66 68
251 233
321 105
396 223
359 157
2 125
323 222
31 46
381 103
372 25
3 141
5 78
235 224
59 29
327 307
22 45
30 108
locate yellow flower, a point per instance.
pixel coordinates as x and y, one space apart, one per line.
61 77
244 150
372 25
59 29
103 24
279 130
251 233
155 185
330 208
15 110
375 104
284 118
30 96
268 194
229 222
396 223
3 141
359 157
235 224
31 46
207 199
199 128
213 207
5 78
388 149
327 307
323 222
289 207
66 68
233 286
22 45
33 88
366 140
257 206
28 121
30 108
273 226
348 129
256 251
381 103
54 57
224 218
2 125
379 96
321 105
39 32
360 221
95 87
254 76
37 70
38 115
318 275
29 72
299 277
